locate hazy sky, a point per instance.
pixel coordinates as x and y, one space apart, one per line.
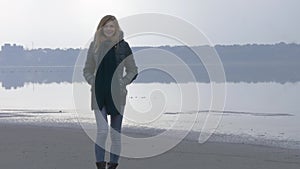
71 23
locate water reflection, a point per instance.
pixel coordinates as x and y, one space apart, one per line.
14 76
241 97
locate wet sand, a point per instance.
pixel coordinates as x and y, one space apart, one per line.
33 147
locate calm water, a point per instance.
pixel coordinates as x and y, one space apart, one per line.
242 97
253 111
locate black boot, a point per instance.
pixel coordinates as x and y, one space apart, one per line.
101 165
112 165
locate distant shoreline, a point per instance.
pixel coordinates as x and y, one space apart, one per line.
242 63
18 76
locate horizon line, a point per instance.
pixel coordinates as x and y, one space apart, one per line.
155 46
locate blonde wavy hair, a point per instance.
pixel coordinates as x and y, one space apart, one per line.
99 36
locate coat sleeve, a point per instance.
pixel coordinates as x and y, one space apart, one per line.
90 65
130 67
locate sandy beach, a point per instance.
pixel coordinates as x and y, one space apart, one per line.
35 147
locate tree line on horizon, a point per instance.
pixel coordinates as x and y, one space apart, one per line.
248 63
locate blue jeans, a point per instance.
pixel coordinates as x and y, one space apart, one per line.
102 132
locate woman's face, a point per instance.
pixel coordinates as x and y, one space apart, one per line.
109 29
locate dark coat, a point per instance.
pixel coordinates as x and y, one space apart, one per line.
124 60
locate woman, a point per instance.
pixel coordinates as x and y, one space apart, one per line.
107 57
